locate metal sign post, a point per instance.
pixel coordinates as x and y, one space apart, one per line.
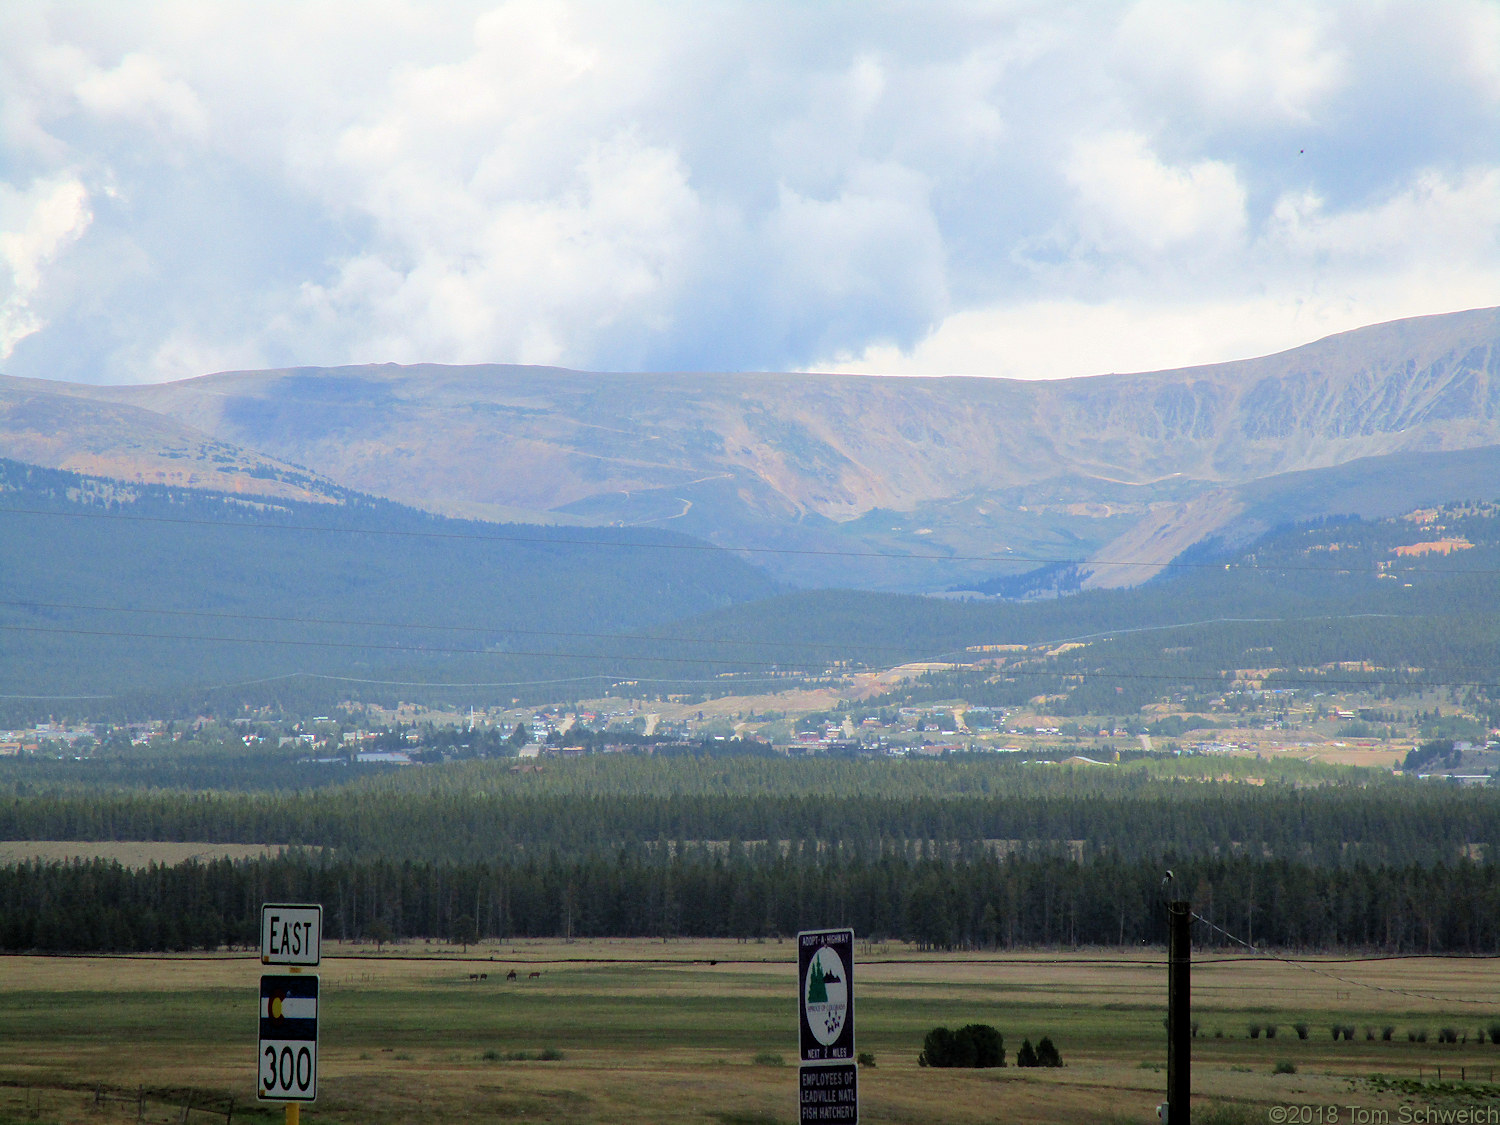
291 934
1179 1013
828 1076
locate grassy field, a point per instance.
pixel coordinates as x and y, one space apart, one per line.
129 853
652 1032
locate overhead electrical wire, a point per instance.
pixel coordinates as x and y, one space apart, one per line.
1079 674
1308 968
490 629
711 547
670 639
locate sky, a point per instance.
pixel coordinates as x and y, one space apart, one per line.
1018 189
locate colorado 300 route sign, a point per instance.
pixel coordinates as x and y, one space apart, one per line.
825 970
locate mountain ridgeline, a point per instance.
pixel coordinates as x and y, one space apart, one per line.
927 481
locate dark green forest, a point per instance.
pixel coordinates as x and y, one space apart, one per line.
942 902
476 811
968 852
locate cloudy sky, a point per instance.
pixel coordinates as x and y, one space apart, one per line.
1023 189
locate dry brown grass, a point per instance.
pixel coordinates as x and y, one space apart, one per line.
653 1032
129 853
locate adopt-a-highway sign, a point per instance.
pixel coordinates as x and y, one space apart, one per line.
288 1052
825 974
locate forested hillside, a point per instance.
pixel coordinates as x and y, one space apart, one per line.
113 589
1394 606
158 597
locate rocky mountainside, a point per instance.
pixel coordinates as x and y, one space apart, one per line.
52 425
983 468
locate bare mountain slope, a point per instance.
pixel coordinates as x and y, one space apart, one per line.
117 439
935 466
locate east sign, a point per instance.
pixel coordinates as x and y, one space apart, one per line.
291 934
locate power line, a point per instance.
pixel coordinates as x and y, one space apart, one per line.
220 615
1332 976
1014 673
677 639
619 681
701 546
435 650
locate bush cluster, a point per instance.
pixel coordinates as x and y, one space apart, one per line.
1044 1054
974 1045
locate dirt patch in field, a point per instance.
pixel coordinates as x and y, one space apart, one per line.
129 853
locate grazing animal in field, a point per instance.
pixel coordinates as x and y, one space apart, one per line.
510 975
473 976
533 975
484 976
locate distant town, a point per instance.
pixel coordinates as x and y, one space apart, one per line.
1242 722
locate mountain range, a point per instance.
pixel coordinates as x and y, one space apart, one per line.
907 484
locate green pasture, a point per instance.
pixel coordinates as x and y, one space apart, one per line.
408 1041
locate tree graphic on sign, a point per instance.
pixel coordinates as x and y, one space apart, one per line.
817 989
826 996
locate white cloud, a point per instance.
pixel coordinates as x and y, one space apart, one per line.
1025 188
1245 62
1430 248
523 277
35 224
1068 339
139 90
1130 201
1438 218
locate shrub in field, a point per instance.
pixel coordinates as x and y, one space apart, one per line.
865 1058
1046 1053
1495 1033
1221 1114
1254 1030
1301 1029
1270 1031
1448 1035
769 1058
546 1054
1026 1056
1336 1031
974 1045
1218 1033
1386 1033
1284 1067
1422 1035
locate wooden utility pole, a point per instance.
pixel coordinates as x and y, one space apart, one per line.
1179 1013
